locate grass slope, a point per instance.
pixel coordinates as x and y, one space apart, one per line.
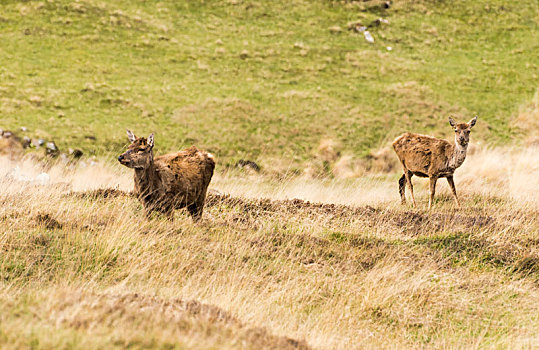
346 267
261 80
87 270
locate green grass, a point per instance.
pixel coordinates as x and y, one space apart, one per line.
76 69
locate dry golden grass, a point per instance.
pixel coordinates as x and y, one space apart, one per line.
352 268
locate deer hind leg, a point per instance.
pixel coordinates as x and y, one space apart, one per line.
408 174
402 188
453 189
432 190
195 210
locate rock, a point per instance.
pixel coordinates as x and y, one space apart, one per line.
355 25
248 165
26 142
37 143
335 29
377 22
76 153
51 149
36 100
244 54
368 37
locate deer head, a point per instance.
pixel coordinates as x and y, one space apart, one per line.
462 131
139 154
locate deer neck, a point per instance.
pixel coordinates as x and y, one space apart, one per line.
144 179
459 155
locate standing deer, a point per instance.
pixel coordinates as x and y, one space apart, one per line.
168 182
426 156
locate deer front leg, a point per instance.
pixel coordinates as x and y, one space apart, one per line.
432 190
409 175
195 210
453 189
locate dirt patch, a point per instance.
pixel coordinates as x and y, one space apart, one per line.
407 222
46 220
291 206
246 213
101 193
179 317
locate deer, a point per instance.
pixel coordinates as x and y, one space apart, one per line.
427 156
171 181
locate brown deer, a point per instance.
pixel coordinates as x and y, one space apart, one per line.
168 182
426 156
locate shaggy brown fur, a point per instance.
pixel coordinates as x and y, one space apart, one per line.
172 181
426 156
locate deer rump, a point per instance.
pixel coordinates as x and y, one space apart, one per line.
180 180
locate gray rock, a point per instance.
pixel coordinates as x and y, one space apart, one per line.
26 142
52 149
248 165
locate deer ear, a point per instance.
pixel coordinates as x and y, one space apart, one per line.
131 136
150 140
472 122
452 122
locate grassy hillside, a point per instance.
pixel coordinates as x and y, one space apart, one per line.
263 80
87 270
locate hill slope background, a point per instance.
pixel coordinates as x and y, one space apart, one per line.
264 80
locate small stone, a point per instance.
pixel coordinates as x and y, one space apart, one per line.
37 100
335 29
76 153
368 37
248 165
26 142
244 54
52 149
37 143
